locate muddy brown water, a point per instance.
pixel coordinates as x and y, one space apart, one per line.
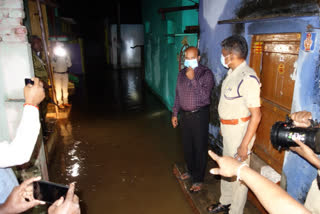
119 146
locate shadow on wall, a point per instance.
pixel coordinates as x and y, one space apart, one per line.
211 36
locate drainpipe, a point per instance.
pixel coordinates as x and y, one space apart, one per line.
45 45
118 37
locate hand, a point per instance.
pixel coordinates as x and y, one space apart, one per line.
70 205
301 118
21 198
34 94
174 121
228 165
242 153
190 73
307 153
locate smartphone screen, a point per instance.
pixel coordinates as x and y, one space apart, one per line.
48 191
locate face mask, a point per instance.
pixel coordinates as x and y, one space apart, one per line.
193 63
223 61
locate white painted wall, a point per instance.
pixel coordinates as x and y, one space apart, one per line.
15 65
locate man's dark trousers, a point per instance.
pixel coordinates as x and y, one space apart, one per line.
195 128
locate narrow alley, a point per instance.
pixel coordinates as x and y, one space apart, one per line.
120 150
159 107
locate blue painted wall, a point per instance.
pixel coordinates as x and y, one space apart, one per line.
306 91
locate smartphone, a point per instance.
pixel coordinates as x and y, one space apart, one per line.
48 191
28 81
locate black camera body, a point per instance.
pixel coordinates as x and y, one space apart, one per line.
282 133
28 81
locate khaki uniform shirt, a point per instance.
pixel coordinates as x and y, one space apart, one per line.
313 198
240 90
61 64
39 66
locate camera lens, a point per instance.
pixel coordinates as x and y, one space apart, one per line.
283 133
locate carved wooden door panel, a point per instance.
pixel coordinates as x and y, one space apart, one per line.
274 57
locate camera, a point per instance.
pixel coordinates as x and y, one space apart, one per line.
283 132
28 81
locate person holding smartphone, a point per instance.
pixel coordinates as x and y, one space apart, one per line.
20 149
21 199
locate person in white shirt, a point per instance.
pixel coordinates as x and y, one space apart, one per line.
20 149
61 62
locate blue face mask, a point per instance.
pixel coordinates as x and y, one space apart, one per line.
223 61
193 63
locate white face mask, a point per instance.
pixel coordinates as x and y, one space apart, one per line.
193 63
223 61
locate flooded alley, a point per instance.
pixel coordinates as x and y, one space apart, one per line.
126 97
119 146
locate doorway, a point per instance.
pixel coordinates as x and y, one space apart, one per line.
274 58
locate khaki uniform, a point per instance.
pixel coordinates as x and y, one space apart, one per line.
240 91
40 72
313 198
39 67
61 77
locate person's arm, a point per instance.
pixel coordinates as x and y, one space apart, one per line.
251 130
16 202
20 149
250 90
176 107
307 153
54 61
273 198
69 63
302 119
203 86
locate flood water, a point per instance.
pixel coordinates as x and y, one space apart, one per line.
119 146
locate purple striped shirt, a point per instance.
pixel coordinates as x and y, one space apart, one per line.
193 94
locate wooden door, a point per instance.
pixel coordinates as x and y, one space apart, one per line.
273 57
35 20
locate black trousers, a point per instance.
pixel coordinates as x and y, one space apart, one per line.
195 134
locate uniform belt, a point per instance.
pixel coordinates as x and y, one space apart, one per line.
234 121
60 72
194 111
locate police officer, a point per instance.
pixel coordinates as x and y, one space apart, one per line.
40 71
61 62
239 112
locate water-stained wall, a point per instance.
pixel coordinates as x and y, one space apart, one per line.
280 20
163 42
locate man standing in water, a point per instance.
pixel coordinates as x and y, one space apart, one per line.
239 112
192 101
61 62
